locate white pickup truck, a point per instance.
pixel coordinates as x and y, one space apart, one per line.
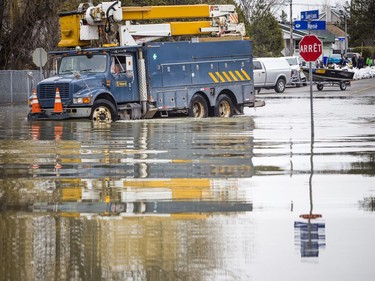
271 73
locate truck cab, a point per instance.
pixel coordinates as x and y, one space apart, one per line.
90 79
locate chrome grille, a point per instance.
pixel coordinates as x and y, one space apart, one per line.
48 91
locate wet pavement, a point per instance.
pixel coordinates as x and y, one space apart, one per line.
256 197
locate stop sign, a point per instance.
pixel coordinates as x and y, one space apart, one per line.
310 48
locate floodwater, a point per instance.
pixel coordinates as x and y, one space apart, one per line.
256 197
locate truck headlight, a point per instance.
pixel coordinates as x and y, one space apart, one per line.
84 100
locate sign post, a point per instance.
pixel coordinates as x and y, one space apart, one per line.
40 58
311 49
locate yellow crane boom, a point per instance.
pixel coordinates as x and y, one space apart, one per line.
80 27
165 12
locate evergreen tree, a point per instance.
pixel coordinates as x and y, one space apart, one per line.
265 32
361 24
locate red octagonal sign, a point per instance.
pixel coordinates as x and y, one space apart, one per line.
310 48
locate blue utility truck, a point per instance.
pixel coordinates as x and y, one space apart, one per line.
199 79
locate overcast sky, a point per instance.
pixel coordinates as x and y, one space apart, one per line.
306 5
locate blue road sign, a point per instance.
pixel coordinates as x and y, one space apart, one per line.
310 15
309 25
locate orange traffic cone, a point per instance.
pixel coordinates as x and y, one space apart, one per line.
58 108
35 107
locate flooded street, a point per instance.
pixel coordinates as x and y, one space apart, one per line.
255 197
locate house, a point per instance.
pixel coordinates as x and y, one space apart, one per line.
326 37
333 17
333 38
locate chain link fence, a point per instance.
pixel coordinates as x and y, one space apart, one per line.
16 85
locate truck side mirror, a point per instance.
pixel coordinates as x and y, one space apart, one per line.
77 75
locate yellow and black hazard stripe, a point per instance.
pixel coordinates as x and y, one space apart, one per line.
230 76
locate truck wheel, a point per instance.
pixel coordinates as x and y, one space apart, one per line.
198 107
319 87
103 111
280 85
223 107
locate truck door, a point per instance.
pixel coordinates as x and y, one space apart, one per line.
259 74
124 85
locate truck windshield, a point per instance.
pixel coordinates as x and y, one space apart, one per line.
83 63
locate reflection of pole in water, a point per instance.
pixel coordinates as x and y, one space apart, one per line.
311 148
311 235
291 156
143 145
311 160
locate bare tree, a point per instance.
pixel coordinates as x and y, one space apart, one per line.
26 25
252 6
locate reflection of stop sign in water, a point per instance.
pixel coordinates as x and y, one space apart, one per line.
310 48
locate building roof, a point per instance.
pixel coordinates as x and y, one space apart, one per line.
324 35
338 32
297 34
333 16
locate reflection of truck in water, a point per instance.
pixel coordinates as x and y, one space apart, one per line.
149 196
271 73
134 81
165 159
163 148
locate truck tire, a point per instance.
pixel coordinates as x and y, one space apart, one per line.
103 111
223 107
280 85
198 107
320 87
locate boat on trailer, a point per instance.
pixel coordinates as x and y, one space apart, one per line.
331 77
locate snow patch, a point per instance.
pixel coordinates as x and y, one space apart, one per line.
363 73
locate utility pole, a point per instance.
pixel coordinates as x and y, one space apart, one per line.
291 47
346 33
344 14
